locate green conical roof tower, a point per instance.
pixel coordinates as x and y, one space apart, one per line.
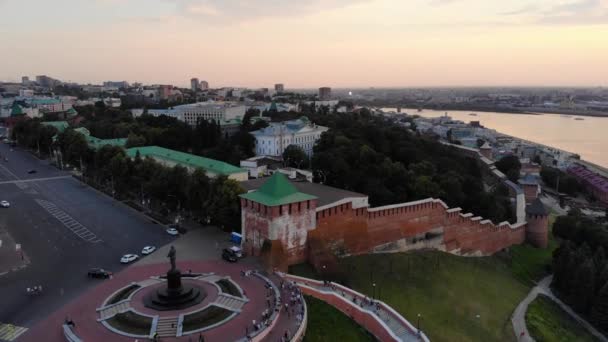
277 191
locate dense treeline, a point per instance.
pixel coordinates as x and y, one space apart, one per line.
173 189
554 177
371 155
580 271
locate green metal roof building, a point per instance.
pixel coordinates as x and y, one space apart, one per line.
277 191
190 161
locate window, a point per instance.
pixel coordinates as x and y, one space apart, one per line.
289 209
280 210
299 206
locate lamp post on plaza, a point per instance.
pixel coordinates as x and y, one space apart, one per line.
373 290
418 324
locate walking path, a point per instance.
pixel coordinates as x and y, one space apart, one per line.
519 315
21 181
387 320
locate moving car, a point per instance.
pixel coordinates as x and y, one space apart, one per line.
32 171
4 204
229 255
172 231
148 250
127 258
99 273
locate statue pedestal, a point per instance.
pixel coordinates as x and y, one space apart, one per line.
175 296
174 281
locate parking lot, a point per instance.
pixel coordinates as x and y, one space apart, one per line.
64 228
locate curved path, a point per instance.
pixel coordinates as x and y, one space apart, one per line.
519 315
385 323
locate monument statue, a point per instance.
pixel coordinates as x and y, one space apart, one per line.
171 257
175 296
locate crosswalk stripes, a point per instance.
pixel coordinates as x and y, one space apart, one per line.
9 332
73 225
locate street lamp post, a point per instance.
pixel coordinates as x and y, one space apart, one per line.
373 290
418 324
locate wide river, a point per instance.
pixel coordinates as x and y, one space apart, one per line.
587 137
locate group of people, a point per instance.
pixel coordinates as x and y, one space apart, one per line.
34 289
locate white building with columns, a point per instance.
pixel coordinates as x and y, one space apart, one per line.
274 139
192 113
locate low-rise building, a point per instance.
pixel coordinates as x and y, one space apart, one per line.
213 168
260 166
192 113
274 139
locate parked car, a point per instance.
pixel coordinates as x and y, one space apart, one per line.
127 258
148 250
229 255
238 251
172 231
4 204
32 171
99 273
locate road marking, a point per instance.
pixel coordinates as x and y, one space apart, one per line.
9 332
20 182
73 225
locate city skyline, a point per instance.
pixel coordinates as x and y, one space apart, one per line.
308 44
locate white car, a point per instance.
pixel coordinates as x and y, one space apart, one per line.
4 204
172 231
148 250
127 258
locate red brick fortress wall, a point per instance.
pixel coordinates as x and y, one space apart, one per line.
422 224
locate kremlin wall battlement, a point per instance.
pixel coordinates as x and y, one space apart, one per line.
303 225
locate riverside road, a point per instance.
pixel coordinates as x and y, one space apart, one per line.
64 228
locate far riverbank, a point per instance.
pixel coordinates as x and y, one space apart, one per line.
586 137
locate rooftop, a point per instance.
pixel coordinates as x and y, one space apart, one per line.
277 190
536 208
325 194
185 159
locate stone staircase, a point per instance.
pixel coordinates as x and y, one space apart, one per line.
167 326
111 310
230 303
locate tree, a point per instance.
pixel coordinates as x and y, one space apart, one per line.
584 286
73 146
599 312
224 207
294 156
510 166
135 140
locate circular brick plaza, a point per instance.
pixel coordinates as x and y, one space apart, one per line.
235 297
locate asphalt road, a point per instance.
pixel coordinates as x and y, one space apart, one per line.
64 228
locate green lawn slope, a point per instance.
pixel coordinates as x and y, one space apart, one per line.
547 322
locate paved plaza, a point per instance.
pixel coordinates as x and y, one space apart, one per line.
257 292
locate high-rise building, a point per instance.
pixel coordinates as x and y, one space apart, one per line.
45 81
164 91
116 84
279 88
25 80
324 93
194 85
204 85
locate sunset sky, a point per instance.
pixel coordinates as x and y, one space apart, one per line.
308 43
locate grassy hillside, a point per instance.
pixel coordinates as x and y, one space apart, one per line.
325 323
547 322
458 298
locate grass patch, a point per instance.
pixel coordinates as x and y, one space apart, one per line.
547 322
209 316
530 264
228 287
326 323
447 290
123 294
131 323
